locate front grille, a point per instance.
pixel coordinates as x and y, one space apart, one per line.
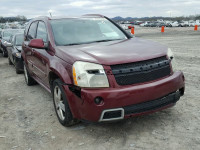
143 71
152 105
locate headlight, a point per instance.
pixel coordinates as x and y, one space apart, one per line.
87 74
171 57
18 54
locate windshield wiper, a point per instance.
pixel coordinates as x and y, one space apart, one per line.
108 40
73 44
92 42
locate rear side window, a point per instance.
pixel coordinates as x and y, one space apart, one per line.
41 31
32 31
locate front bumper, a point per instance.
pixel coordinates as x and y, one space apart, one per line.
126 98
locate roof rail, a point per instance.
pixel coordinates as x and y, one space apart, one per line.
99 15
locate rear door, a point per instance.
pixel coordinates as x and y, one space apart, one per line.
28 50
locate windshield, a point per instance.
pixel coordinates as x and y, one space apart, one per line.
8 33
84 30
19 40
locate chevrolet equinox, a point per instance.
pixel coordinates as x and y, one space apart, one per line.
98 72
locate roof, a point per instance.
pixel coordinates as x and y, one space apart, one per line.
67 17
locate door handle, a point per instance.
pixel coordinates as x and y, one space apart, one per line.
33 52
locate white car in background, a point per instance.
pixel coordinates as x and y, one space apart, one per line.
143 24
184 24
124 26
175 24
193 23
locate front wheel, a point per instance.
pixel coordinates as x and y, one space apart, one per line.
61 105
4 53
18 71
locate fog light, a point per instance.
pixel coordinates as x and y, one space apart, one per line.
98 100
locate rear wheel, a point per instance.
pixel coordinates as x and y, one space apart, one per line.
61 105
29 80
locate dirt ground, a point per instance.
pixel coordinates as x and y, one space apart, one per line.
28 120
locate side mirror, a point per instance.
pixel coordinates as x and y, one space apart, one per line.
37 43
8 44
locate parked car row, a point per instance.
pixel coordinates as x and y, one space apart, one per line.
10 46
95 70
170 24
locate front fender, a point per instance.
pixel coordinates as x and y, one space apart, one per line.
60 69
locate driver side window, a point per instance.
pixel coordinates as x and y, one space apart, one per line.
32 31
42 32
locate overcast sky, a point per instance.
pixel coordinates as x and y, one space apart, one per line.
110 8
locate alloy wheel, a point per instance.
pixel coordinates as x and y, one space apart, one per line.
59 103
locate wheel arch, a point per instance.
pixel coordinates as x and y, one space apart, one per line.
59 71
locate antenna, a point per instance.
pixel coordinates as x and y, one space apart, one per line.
50 13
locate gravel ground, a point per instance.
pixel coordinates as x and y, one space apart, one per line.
28 120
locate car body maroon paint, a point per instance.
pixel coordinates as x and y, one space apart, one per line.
52 62
114 52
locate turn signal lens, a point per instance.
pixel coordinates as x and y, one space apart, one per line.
74 76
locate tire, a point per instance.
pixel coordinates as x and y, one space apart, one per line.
28 79
18 71
4 54
61 105
9 61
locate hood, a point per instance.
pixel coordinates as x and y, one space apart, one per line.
19 48
114 52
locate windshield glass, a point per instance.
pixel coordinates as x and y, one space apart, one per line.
8 33
19 40
84 30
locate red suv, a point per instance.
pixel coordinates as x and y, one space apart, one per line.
98 72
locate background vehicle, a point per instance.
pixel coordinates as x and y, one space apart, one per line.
175 24
98 72
161 24
153 24
168 25
125 26
6 34
14 52
193 23
0 38
130 26
184 24
144 24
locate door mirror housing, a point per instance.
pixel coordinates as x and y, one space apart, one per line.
37 43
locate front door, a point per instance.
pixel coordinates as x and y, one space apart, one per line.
29 50
40 55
